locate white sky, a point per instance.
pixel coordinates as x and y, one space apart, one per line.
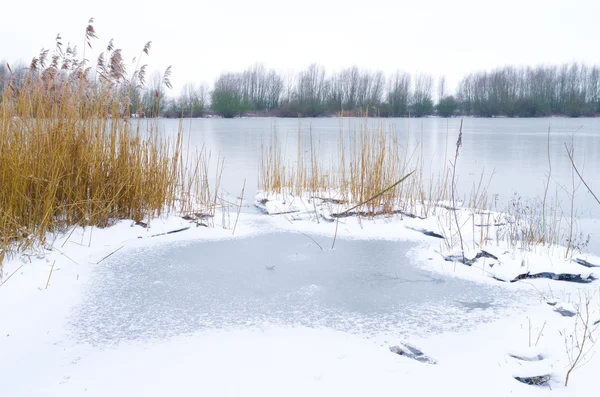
202 38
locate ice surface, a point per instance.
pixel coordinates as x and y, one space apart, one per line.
360 286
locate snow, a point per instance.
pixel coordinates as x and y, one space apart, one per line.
314 215
41 357
299 361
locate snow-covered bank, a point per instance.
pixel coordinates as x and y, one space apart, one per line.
41 287
84 246
41 358
490 244
495 249
275 361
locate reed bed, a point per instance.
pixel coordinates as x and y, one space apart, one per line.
70 155
367 162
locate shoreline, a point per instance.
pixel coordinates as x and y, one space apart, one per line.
334 116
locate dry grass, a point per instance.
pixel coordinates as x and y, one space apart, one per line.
70 155
367 162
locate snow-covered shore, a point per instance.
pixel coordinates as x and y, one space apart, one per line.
568 311
41 288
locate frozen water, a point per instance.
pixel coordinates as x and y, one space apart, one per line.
362 286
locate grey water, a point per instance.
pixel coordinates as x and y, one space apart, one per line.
514 150
361 286
510 153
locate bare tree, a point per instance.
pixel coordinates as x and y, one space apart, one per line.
311 90
398 96
227 97
192 101
154 95
422 102
441 88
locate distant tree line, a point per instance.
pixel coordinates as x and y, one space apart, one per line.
569 90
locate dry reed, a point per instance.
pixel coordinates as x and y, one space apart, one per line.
368 162
70 154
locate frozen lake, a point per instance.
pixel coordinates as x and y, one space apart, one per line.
362 286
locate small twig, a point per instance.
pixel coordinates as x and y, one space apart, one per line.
8 278
50 275
337 222
69 236
76 243
183 229
570 154
576 362
313 240
540 334
341 214
285 213
65 255
239 207
529 321
109 254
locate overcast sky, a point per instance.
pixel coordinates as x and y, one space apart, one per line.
203 38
